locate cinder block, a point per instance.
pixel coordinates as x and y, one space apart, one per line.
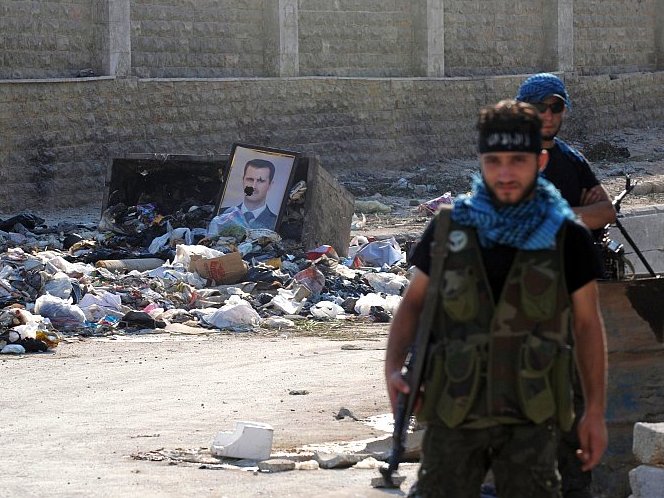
648 446
647 481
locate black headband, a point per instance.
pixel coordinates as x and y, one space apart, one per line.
510 141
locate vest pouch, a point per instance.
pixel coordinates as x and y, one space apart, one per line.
433 384
462 380
460 295
562 386
536 394
538 294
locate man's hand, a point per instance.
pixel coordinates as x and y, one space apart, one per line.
593 438
395 385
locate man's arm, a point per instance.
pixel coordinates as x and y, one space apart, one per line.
596 209
402 334
591 358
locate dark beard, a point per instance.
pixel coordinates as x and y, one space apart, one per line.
526 194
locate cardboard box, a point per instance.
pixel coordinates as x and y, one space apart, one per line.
226 269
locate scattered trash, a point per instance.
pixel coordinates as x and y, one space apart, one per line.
146 266
312 279
251 440
389 283
380 252
277 322
327 310
298 392
430 207
276 465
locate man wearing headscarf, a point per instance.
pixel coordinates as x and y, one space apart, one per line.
570 172
567 169
501 275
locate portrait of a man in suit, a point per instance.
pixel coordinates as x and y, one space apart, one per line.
257 179
256 185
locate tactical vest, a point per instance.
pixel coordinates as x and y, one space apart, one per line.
507 362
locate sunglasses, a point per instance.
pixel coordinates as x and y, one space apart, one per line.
556 107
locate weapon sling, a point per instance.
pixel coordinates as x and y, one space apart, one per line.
416 358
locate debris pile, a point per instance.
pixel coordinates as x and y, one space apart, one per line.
142 269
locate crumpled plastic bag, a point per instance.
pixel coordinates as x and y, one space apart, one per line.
386 282
184 252
95 307
231 222
287 302
388 302
61 313
327 309
171 235
235 314
58 285
380 252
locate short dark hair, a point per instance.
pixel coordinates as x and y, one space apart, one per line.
517 123
259 164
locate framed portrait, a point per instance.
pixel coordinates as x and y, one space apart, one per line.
256 184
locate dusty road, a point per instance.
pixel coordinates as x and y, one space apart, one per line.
71 419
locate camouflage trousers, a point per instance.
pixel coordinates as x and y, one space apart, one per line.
455 462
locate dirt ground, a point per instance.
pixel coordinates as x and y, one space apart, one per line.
75 419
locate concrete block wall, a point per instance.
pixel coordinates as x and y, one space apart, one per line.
58 137
197 38
647 480
510 37
47 39
355 37
615 36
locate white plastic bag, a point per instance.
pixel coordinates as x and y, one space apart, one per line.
380 252
59 286
184 252
327 309
236 313
170 235
386 282
59 311
389 303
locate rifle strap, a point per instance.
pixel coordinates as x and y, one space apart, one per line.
439 249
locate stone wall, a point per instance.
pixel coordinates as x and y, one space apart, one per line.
614 36
244 38
202 38
511 37
59 136
47 38
355 38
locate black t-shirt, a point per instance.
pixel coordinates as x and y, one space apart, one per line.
581 262
569 173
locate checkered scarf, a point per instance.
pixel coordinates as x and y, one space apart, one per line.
531 225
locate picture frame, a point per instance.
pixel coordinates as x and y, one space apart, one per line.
256 182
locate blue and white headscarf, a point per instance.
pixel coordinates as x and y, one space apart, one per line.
540 86
530 225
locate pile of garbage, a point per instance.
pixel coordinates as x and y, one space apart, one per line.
141 269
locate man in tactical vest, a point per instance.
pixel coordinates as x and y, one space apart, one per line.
517 278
